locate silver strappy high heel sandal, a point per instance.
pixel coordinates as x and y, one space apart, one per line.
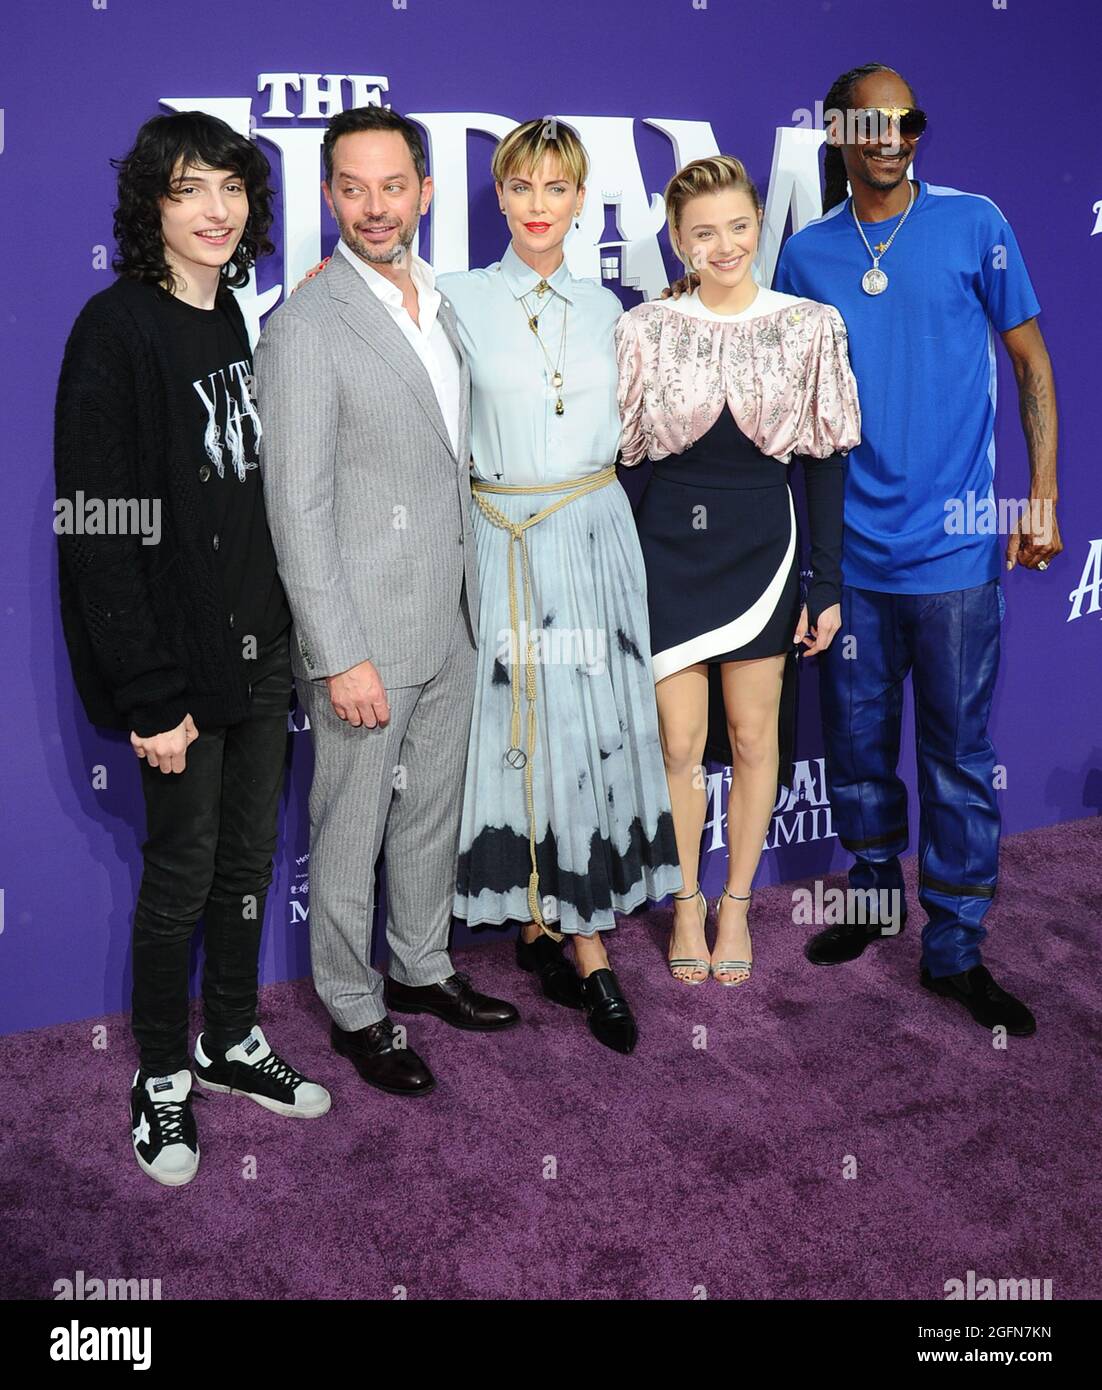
727 967
691 962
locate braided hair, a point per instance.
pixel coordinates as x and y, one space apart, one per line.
838 99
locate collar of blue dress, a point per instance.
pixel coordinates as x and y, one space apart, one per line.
522 279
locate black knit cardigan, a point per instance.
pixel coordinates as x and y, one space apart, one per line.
148 636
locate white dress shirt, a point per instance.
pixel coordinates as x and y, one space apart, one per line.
516 437
427 337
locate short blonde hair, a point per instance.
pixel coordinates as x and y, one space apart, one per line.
712 174
523 149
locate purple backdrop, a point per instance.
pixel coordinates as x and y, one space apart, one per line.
75 89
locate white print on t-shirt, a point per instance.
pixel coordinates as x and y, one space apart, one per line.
230 410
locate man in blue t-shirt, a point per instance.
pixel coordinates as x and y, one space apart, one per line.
924 277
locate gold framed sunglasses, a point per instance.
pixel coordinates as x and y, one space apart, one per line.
872 122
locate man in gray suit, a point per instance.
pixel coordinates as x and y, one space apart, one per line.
364 400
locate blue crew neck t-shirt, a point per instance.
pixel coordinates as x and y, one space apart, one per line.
920 501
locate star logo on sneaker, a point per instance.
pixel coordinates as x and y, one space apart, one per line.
141 1134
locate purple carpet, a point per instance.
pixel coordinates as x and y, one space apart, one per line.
545 1166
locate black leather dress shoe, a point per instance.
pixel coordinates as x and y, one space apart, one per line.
988 1004
455 1000
371 1050
846 941
607 1011
558 979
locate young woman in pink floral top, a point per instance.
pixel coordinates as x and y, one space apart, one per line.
720 388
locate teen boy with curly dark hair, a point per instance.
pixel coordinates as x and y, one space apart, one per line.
183 642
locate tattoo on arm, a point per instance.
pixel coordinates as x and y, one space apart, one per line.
1037 408
1031 396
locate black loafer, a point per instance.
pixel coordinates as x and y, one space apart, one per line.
988 1004
607 1011
558 979
846 941
397 1070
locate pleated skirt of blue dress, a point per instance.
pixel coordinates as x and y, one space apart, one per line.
604 833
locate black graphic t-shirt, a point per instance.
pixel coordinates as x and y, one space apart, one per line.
213 368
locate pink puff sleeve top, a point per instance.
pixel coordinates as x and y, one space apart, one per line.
781 365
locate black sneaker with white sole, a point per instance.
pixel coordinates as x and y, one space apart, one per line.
166 1143
252 1069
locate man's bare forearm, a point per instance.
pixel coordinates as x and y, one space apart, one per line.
1037 407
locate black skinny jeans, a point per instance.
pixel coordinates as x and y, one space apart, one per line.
211 832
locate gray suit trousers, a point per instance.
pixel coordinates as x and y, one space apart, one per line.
398 788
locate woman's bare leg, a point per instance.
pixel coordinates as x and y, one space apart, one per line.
683 725
751 698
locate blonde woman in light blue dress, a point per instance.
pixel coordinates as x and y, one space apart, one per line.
566 816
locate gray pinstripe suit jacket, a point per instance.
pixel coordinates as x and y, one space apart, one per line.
370 510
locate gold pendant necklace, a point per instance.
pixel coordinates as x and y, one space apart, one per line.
541 290
534 325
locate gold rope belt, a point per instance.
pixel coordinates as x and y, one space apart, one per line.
515 756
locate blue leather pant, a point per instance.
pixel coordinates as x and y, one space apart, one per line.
949 643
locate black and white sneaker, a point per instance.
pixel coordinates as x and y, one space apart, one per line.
252 1069
166 1143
